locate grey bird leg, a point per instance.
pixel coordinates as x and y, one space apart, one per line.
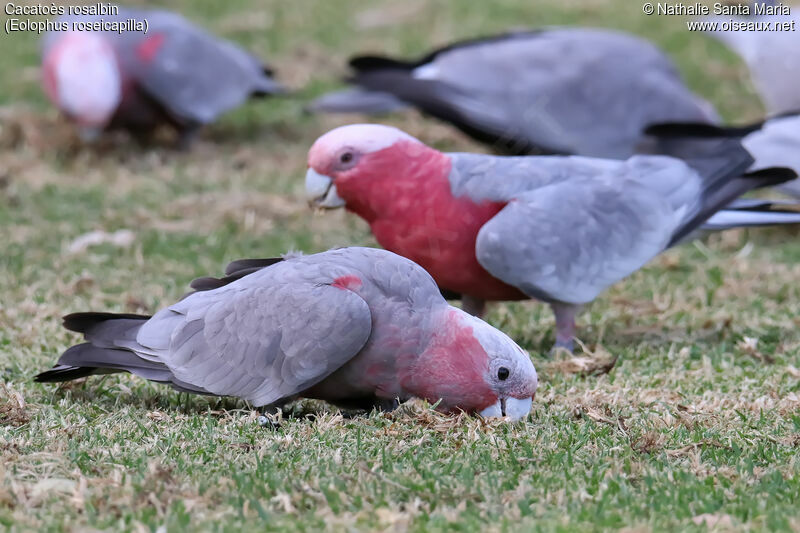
565 325
474 306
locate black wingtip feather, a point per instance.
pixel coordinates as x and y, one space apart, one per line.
235 270
772 175
248 264
370 63
80 322
63 373
700 130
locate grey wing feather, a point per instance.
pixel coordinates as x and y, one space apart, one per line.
195 75
261 343
574 238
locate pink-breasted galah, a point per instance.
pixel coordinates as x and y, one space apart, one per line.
175 73
557 228
357 327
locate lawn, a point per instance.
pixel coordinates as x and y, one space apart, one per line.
682 411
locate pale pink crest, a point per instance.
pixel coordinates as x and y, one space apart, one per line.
362 138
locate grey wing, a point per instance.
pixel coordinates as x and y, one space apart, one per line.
583 91
488 178
569 241
195 75
260 343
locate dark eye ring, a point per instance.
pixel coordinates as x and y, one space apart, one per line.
346 157
503 373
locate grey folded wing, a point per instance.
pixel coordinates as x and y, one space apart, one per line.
569 240
260 343
193 74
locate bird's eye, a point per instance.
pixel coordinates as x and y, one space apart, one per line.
346 157
503 373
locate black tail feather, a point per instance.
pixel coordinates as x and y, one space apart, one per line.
81 322
691 129
63 373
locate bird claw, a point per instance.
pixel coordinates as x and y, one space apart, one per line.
267 421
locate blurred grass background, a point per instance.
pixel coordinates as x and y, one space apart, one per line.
695 427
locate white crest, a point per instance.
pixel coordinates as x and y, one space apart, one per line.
365 137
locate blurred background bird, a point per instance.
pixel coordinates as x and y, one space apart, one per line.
175 73
584 91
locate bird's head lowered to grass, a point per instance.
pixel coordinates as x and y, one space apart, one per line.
471 366
83 79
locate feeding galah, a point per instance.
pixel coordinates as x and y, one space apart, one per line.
773 142
176 73
358 327
771 56
580 91
557 228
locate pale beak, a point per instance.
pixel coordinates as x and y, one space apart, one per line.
320 191
513 408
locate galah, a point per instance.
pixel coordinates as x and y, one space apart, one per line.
559 90
175 73
774 142
357 327
771 56
557 228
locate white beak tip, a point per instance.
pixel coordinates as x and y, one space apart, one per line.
512 409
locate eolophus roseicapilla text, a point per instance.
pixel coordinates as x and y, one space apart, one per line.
769 44
358 327
176 73
580 91
774 142
560 229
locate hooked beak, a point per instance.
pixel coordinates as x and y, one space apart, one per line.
513 408
320 191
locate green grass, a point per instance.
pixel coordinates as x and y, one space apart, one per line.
697 423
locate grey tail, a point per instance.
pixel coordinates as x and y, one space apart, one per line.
356 100
719 193
102 355
722 164
107 351
268 87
